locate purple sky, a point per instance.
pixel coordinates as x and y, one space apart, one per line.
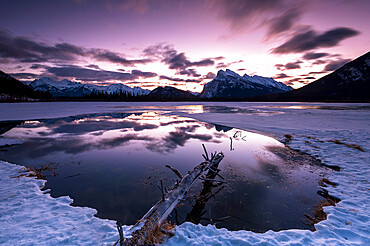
180 43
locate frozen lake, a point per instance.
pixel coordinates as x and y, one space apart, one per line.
314 127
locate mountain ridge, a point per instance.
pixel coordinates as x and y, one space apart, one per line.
228 84
67 88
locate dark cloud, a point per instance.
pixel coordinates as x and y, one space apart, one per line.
177 60
313 55
289 65
277 16
29 76
281 76
38 66
24 49
179 79
283 22
106 55
221 65
309 40
93 66
141 74
319 62
241 13
334 65
320 72
86 74
189 72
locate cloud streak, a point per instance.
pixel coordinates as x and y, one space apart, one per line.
310 40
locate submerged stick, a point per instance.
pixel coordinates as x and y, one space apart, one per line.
178 174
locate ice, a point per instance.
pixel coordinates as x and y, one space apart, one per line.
9 141
28 216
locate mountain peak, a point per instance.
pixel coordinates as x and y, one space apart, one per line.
229 84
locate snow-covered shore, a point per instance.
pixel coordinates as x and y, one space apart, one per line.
29 217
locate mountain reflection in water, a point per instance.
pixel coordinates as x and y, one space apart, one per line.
114 162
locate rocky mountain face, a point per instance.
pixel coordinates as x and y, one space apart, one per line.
67 88
228 84
350 82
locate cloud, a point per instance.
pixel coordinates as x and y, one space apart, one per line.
106 55
38 66
29 76
309 40
24 49
179 79
281 76
319 62
179 61
189 72
334 65
86 74
289 65
167 54
241 13
283 22
320 72
313 55
277 16
141 74
221 65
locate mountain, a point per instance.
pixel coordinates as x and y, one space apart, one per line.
12 89
350 82
67 88
169 93
228 84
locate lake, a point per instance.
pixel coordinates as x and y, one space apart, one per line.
113 162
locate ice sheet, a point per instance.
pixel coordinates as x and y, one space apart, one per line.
30 217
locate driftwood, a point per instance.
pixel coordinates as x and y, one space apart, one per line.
151 222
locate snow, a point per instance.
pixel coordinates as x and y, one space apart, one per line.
30 217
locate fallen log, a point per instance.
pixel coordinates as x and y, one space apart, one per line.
142 232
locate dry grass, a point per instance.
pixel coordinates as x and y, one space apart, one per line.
39 172
323 182
352 146
288 138
155 234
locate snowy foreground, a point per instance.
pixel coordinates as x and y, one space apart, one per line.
30 217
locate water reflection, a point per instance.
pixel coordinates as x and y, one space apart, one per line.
113 162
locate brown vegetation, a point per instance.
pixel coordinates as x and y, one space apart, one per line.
353 146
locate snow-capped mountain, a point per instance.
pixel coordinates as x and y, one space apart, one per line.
67 88
228 84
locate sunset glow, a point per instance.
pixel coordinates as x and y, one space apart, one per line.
153 43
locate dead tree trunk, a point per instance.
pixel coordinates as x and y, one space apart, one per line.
148 225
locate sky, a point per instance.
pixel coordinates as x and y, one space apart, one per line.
181 43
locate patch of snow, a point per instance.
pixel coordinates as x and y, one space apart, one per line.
31 217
